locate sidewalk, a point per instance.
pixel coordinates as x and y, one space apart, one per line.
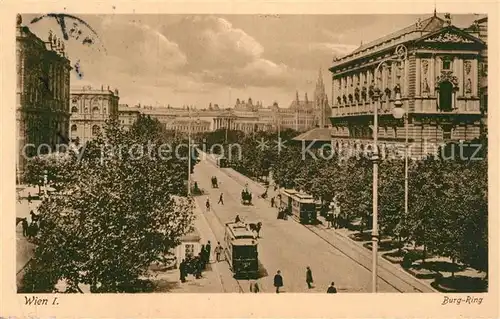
211 281
24 249
387 271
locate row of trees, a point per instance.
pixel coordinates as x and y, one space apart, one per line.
448 204
118 206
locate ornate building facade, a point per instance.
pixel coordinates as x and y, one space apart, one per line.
42 94
439 84
127 115
90 108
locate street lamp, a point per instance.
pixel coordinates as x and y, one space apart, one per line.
398 112
400 55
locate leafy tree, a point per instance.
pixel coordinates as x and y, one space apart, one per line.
391 200
119 214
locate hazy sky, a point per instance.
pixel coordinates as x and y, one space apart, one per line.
198 59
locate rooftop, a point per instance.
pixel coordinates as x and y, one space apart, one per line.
414 31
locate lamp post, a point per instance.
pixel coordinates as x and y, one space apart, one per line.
189 153
400 55
398 113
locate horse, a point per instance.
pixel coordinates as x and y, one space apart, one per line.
246 197
256 228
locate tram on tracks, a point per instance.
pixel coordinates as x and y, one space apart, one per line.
300 204
241 250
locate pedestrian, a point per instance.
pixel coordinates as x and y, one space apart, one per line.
221 200
25 227
329 218
272 201
237 219
332 289
207 204
201 255
309 277
278 281
208 250
218 251
29 198
182 270
199 267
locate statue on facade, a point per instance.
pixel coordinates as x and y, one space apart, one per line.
19 19
468 86
425 86
447 18
419 24
50 36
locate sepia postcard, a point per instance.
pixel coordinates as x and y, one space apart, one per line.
248 159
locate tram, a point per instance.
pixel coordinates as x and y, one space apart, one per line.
300 204
241 250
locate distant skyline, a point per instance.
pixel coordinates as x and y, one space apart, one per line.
201 59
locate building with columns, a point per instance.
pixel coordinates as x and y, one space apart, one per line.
439 83
90 108
479 28
42 94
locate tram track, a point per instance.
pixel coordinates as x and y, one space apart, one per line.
312 229
221 224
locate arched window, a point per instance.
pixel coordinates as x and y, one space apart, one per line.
73 128
95 110
445 96
74 109
95 130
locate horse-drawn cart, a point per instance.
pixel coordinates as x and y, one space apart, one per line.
215 184
246 197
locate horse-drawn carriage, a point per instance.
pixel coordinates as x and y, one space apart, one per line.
215 184
246 197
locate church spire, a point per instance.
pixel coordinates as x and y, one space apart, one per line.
297 96
320 77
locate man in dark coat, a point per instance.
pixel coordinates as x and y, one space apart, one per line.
278 281
201 255
309 277
182 270
272 202
208 250
221 199
332 289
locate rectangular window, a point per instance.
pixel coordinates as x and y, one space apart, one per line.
446 132
446 64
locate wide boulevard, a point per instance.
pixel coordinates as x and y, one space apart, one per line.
284 244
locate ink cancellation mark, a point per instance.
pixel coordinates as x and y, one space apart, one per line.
73 27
